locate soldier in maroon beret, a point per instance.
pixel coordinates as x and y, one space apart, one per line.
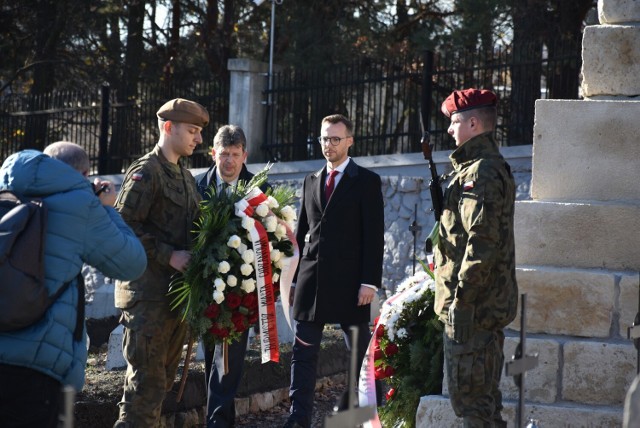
476 290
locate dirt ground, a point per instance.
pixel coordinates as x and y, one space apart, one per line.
96 405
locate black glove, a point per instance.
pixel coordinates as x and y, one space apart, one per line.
461 319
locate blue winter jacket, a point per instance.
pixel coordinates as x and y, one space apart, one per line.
79 230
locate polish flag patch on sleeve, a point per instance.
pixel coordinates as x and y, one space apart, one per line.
468 185
136 176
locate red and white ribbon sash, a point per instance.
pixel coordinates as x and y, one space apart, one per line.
367 385
262 263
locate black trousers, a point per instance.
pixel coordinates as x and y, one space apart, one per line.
28 398
221 388
305 360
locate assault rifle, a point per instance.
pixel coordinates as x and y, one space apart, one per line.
434 183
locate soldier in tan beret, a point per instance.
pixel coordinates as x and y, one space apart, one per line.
159 200
476 289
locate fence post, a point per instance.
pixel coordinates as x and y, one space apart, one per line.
246 107
426 95
103 144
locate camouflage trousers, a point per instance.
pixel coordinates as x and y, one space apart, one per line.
152 346
473 371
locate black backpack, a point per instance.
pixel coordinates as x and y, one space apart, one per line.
24 298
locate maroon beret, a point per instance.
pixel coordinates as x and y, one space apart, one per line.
181 110
468 99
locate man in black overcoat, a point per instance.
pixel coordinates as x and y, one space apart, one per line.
341 237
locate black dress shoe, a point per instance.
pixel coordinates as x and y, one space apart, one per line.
291 423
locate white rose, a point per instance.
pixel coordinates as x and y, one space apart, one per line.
242 248
248 223
288 213
280 232
218 296
262 210
234 241
275 255
272 202
246 269
248 256
275 277
232 281
271 224
224 266
219 284
248 285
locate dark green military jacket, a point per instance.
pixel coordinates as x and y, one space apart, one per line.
475 256
159 200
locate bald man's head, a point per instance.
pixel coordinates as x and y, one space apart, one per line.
71 154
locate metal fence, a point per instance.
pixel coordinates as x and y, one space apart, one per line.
383 99
113 132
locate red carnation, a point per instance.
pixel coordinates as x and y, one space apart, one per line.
253 317
391 349
212 311
218 331
379 373
389 395
238 321
233 300
250 301
380 330
377 353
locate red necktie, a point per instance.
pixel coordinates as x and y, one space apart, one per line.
331 183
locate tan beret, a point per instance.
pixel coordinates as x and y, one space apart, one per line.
181 110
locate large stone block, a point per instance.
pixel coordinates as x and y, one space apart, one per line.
586 150
581 235
574 302
610 60
597 372
618 11
541 383
435 411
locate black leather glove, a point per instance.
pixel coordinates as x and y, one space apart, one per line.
461 319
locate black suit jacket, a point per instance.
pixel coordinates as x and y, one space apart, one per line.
341 245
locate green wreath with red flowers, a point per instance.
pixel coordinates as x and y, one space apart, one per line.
408 351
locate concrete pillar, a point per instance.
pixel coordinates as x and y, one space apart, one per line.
611 52
246 104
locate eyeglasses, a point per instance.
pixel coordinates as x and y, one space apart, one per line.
333 140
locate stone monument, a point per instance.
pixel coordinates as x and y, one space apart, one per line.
578 240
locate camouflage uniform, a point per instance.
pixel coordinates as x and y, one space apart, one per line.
159 200
476 267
